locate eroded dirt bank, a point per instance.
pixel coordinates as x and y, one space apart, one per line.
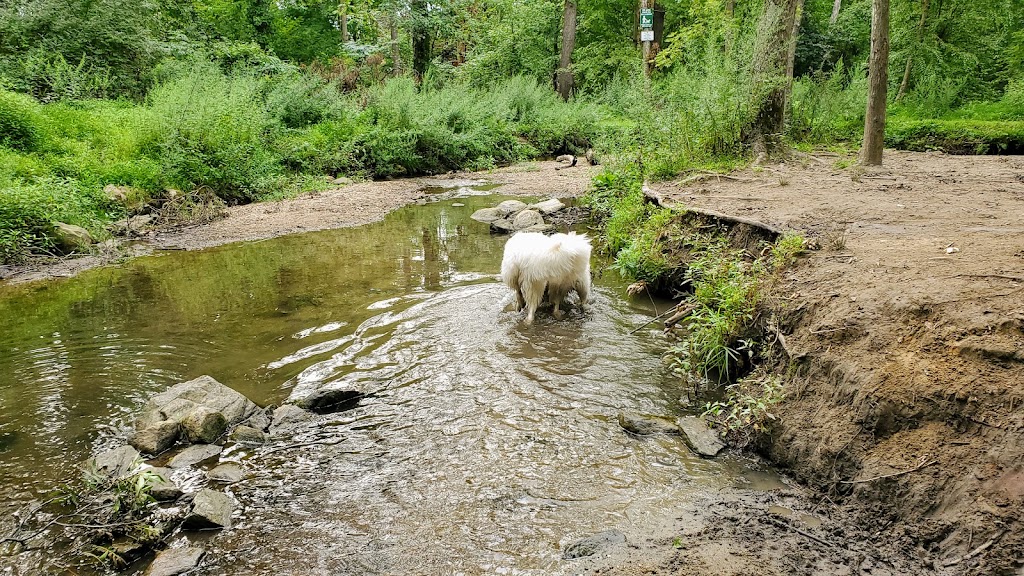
906 330
350 205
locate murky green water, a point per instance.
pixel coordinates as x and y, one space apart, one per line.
484 447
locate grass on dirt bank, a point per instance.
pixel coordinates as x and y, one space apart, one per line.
246 137
722 286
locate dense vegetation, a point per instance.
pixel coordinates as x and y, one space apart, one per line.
254 99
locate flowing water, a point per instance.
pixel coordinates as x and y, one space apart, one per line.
483 446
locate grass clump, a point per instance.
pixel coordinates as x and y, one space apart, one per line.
746 409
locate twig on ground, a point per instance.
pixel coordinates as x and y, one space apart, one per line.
828 330
915 469
976 551
803 533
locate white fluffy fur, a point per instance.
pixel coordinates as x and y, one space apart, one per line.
534 262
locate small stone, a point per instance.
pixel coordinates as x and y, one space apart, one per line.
228 473
156 438
701 439
527 218
210 509
116 462
510 207
457 204
247 435
175 561
115 193
161 487
645 425
486 215
71 238
548 206
203 425
593 544
193 455
342 181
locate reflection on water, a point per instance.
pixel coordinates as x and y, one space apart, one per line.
483 445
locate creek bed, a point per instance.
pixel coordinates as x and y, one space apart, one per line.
482 445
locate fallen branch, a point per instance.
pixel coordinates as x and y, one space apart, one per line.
682 313
655 319
708 175
915 469
976 551
803 533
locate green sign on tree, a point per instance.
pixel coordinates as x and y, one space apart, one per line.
647 18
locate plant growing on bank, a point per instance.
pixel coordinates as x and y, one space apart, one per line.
747 409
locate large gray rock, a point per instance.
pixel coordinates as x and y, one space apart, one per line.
510 208
288 417
71 238
592 545
227 473
321 394
204 409
116 462
204 425
699 437
193 455
175 561
161 487
548 206
247 435
503 226
486 215
156 437
260 419
116 193
644 425
526 219
210 509
327 400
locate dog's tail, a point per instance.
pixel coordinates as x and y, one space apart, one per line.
571 242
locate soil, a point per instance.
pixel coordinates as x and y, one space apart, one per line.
905 334
350 205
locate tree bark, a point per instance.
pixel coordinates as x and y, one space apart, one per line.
343 20
730 8
771 89
791 55
565 79
396 50
835 12
910 59
878 82
420 38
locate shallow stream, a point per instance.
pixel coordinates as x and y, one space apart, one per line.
482 447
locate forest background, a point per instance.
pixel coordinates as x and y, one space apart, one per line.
240 101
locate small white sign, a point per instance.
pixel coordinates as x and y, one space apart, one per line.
647 35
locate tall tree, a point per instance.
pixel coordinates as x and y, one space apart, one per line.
564 76
343 20
420 37
835 12
878 83
910 56
771 89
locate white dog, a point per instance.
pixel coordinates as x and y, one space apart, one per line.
534 262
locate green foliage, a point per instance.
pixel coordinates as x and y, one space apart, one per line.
747 409
19 121
957 136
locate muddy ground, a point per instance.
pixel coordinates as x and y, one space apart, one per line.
906 330
350 205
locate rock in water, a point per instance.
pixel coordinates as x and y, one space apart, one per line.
510 207
194 455
116 462
71 238
527 218
157 437
327 400
486 215
204 425
161 487
175 561
210 509
593 544
287 417
699 437
228 473
248 435
548 206
646 425
502 226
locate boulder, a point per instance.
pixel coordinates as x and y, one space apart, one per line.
116 462
210 509
156 437
486 215
161 487
548 206
326 400
207 392
527 218
227 473
193 455
699 437
116 193
510 207
71 238
175 561
321 394
593 544
248 435
503 226
539 228
288 416
644 425
342 181
260 419
203 425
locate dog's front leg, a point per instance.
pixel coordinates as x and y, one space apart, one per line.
520 301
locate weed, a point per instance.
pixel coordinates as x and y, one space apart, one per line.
747 410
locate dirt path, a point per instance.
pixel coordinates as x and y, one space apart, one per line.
351 205
907 329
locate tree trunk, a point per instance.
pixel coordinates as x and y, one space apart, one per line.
565 80
791 56
771 89
835 12
920 37
730 8
343 20
878 81
396 50
420 38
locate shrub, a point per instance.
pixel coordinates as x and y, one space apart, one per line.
19 121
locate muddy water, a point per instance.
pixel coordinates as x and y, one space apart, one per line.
482 445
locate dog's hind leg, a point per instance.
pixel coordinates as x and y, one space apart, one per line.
534 294
583 289
557 295
520 301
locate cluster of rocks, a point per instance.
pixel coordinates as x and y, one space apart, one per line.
695 431
515 216
178 431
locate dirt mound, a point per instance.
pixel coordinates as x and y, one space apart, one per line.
907 332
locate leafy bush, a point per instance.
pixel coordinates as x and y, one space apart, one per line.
19 121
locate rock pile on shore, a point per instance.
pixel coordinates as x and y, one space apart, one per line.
515 216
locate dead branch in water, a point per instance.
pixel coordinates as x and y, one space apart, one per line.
656 318
682 312
915 469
